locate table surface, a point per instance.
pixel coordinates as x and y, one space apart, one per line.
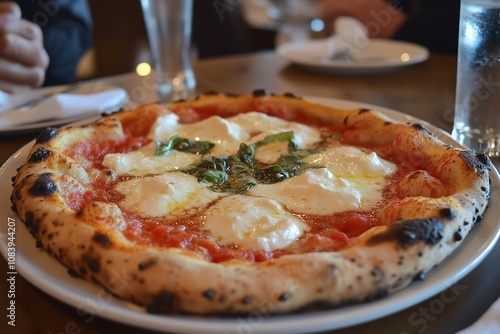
424 90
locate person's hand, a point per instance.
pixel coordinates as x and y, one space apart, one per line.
23 59
381 18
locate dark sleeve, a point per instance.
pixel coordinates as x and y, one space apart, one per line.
218 29
67 28
433 24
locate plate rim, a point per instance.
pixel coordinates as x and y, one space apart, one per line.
126 313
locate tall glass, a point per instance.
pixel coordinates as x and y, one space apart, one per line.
168 24
477 106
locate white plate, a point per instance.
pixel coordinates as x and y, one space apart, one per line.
84 88
50 276
380 56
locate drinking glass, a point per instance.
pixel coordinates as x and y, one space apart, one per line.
477 105
294 19
168 24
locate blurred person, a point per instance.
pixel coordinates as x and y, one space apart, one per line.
41 42
431 23
218 29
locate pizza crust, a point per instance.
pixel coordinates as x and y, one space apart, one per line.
420 231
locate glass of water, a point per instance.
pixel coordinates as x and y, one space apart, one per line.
477 106
168 24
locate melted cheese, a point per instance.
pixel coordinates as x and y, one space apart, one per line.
226 135
168 195
316 191
164 126
260 125
351 180
256 122
351 162
304 137
252 223
145 162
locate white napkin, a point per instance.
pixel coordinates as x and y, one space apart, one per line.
350 42
80 102
350 37
489 323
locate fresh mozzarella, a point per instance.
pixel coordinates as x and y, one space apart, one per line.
348 161
169 195
144 161
304 137
256 122
252 223
226 135
164 126
261 125
316 191
351 180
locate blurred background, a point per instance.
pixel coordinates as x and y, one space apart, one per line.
220 27
120 40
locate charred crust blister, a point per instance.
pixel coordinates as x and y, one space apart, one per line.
260 92
211 92
246 300
421 127
73 273
478 162
448 213
40 154
409 232
284 297
291 95
484 159
102 240
147 264
162 303
93 265
46 135
43 186
209 294
420 276
31 224
377 272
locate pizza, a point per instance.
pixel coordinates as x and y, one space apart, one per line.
228 205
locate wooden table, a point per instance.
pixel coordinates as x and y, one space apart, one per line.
424 90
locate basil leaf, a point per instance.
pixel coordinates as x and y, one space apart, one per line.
271 174
240 172
183 145
244 185
165 148
213 176
246 154
282 136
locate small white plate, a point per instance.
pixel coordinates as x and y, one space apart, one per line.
46 273
379 56
80 89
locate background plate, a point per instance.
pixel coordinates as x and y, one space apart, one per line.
50 276
388 55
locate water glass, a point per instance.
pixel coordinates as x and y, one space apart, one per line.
168 24
477 106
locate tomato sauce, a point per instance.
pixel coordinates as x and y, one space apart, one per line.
327 233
